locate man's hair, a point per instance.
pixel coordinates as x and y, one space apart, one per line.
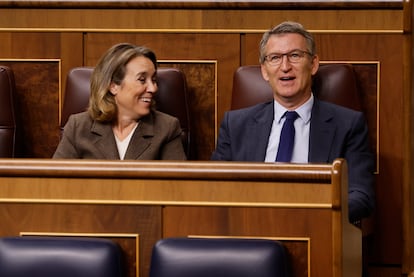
287 27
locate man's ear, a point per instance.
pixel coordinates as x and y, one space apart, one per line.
264 72
315 64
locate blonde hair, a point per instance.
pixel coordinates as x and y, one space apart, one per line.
112 68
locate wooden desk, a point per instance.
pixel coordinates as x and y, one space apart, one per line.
137 203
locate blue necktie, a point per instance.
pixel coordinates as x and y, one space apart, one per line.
287 138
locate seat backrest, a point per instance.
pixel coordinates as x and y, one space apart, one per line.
8 126
218 257
335 83
60 256
171 98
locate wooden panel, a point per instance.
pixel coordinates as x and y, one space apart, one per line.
198 19
201 86
263 223
67 47
290 201
42 45
36 59
388 50
71 55
117 222
37 87
367 80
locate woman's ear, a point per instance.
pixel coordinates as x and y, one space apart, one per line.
113 88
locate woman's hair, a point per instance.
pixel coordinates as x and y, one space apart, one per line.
112 68
287 27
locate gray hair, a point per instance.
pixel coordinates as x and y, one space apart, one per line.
287 27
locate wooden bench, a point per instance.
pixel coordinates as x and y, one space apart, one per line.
137 203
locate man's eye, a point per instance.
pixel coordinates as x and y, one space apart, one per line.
295 55
141 80
275 57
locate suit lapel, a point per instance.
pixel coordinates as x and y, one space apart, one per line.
259 130
322 132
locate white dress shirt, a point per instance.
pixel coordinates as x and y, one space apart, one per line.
302 126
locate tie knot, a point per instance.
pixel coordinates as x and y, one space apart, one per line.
291 115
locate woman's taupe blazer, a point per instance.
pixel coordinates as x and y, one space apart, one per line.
157 137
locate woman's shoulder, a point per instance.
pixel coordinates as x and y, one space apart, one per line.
80 116
161 116
80 119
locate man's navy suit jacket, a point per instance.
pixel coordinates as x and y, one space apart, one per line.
335 132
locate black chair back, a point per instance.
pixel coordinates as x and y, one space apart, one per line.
60 256
207 257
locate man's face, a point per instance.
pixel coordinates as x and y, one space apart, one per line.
290 75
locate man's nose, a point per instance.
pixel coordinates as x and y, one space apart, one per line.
285 64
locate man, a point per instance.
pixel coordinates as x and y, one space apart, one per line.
322 131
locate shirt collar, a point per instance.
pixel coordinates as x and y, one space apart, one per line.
304 111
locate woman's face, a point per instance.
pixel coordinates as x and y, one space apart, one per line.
134 95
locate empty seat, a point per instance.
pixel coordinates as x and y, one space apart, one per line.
218 257
59 257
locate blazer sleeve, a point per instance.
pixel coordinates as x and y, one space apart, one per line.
172 148
66 148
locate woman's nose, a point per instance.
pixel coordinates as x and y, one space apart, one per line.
152 87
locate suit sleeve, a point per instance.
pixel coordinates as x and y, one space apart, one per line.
223 147
361 166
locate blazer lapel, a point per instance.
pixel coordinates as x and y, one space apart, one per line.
141 139
260 127
105 141
322 133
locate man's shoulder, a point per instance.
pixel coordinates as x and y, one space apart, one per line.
252 109
325 106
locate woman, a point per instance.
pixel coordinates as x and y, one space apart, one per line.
120 122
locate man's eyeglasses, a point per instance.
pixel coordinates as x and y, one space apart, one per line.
293 56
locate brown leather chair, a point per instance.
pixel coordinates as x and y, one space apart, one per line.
171 98
8 128
335 83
